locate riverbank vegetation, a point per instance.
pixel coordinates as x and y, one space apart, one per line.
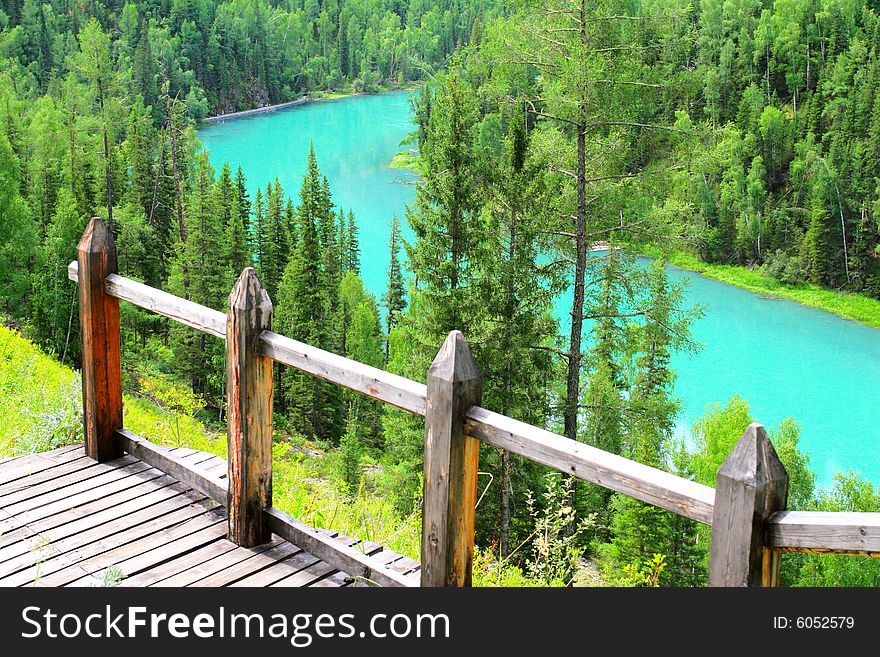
849 305
740 134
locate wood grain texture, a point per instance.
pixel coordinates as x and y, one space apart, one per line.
333 552
450 467
101 353
369 381
249 403
162 303
825 532
161 458
668 491
751 485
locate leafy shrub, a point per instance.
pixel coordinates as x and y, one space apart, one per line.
785 268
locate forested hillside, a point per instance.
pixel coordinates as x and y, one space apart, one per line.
739 131
229 55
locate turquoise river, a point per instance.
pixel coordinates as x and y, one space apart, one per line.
784 358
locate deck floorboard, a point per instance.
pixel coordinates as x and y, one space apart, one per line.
66 520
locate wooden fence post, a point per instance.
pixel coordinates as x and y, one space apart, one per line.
752 484
101 357
249 415
450 470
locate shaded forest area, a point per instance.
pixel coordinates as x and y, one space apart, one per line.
744 132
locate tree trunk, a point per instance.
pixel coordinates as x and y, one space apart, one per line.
108 169
505 504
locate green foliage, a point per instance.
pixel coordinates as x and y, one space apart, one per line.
351 455
40 399
642 573
555 552
307 309
177 401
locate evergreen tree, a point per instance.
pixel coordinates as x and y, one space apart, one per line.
303 313
448 230
819 236
144 73
55 302
395 294
258 233
641 530
276 246
352 245
18 235
517 292
446 216
200 357
244 201
236 254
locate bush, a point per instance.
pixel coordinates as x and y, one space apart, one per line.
786 269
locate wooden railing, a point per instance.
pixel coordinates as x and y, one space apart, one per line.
750 525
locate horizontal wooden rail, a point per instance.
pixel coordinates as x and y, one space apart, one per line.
325 548
162 303
370 381
644 483
826 532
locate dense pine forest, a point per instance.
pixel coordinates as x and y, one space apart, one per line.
739 132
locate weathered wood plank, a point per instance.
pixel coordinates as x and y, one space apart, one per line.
307 568
450 467
6 461
167 547
751 485
63 545
161 458
369 381
128 466
156 502
30 464
254 568
186 312
340 578
668 491
69 484
180 564
225 557
101 351
94 556
81 512
32 481
249 393
824 532
333 552
98 494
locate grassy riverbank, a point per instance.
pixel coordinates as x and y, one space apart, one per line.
844 304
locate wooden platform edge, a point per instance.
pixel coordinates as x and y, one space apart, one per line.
330 550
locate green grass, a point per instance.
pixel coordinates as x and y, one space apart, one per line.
40 399
848 305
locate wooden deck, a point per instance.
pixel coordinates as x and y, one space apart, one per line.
65 519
